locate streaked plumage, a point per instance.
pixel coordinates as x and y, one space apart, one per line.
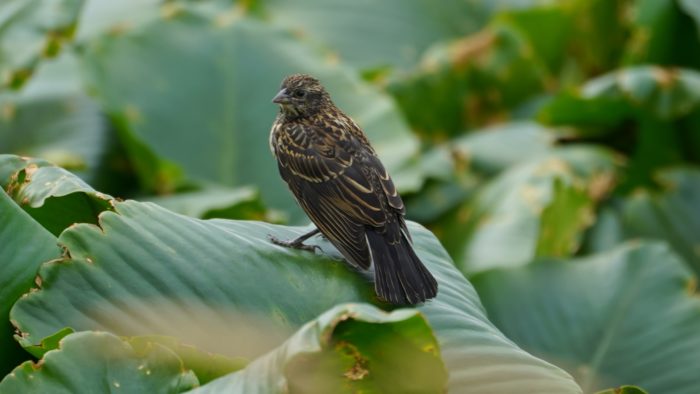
338 180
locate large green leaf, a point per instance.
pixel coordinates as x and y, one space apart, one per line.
563 220
623 390
483 150
692 8
573 38
205 365
461 165
96 362
672 215
216 202
53 196
369 35
469 82
194 90
30 29
351 348
147 271
609 99
668 93
659 26
657 107
100 17
53 119
630 316
509 209
24 245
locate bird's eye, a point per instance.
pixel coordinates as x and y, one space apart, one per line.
299 93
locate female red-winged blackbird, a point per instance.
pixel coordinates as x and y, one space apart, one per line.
337 178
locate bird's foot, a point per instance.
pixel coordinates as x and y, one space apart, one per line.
294 244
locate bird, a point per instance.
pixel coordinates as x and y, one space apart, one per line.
339 181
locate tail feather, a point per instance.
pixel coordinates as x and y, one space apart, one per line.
400 276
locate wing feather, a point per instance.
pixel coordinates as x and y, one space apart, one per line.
340 183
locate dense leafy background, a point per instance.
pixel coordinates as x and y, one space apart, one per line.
550 150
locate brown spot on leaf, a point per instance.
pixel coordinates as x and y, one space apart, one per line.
461 159
601 184
464 51
463 215
37 365
332 58
170 10
358 370
29 171
132 114
229 17
665 77
692 286
65 253
532 196
119 28
8 111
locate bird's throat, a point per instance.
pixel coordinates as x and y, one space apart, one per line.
290 111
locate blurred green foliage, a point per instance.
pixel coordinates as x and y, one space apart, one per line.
553 147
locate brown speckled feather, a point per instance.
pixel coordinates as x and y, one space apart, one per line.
338 181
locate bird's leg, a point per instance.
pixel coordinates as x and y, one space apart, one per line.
297 243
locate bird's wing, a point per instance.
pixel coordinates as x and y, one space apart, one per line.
340 183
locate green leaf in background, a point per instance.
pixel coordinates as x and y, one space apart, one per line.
671 215
630 316
609 99
667 93
469 83
216 202
659 26
100 17
692 9
574 39
592 116
501 226
223 117
623 390
24 245
30 30
52 342
369 35
546 29
52 118
471 159
654 107
53 196
206 366
484 151
97 362
501 72
249 291
563 220
350 348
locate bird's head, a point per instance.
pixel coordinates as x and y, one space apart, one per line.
301 95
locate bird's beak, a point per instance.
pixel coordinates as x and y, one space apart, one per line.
282 97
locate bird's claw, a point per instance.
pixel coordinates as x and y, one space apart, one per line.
292 244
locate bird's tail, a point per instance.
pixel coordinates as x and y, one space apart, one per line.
400 276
